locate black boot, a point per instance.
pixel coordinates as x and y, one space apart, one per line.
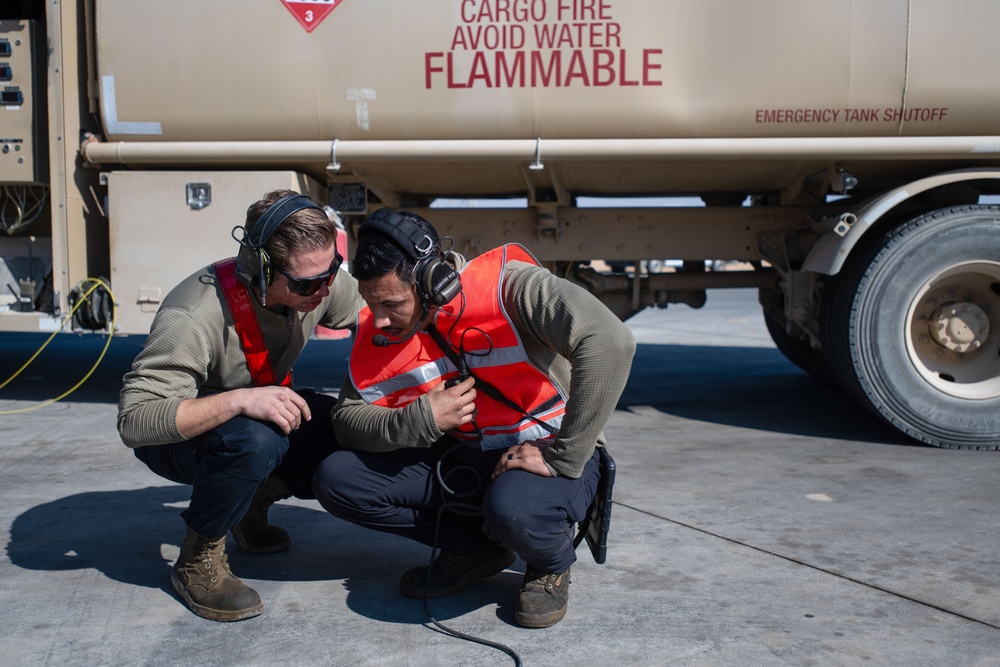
201 576
452 573
254 535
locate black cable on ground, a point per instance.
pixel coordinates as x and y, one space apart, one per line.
465 509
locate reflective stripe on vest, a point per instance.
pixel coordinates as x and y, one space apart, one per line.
247 326
395 376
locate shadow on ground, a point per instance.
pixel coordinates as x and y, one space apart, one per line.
133 536
761 390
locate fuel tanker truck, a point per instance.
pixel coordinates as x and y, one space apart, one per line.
843 155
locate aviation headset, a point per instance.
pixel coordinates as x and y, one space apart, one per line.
253 262
437 281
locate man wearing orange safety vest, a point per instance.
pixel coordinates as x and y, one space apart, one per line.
482 387
210 402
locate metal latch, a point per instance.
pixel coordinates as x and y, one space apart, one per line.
199 195
149 299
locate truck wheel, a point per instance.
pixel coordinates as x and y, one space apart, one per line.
798 350
913 327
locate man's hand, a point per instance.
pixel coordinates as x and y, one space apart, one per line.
526 456
279 405
454 406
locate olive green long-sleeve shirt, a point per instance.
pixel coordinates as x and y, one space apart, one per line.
567 333
193 350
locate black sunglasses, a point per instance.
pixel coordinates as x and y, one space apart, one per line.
309 286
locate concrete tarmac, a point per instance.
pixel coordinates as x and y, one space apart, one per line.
760 518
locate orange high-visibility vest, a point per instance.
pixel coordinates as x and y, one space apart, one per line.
247 327
396 375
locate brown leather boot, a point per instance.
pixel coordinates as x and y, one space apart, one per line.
201 576
254 535
543 599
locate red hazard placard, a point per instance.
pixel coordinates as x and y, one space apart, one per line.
310 13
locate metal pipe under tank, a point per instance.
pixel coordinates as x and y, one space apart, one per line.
528 150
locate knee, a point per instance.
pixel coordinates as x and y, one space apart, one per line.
334 484
506 512
253 450
263 458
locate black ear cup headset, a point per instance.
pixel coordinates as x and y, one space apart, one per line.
437 281
252 262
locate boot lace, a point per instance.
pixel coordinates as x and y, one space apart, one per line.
535 580
211 559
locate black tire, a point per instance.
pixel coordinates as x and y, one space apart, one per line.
799 351
895 327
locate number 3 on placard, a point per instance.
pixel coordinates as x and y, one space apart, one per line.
309 16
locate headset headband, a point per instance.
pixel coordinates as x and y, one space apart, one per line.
276 214
414 241
436 280
263 229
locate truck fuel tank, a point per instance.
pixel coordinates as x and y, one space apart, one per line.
499 69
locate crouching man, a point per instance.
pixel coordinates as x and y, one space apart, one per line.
209 400
484 386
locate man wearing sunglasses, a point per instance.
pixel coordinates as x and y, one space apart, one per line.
210 402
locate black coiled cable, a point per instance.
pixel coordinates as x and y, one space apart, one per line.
464 509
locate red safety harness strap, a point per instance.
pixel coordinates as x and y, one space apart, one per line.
247 326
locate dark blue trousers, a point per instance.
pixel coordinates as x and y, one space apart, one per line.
226 465
400 492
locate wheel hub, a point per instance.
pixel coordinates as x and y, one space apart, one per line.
959 327
954 330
